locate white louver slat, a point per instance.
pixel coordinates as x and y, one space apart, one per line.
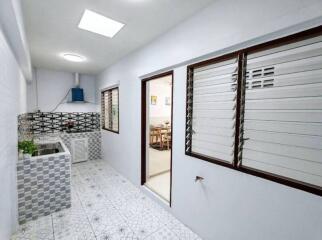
214 110
107 109
115 99
283 111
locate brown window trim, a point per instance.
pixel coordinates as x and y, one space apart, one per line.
109 130
118 109
242 55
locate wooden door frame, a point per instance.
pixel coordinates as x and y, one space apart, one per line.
143 126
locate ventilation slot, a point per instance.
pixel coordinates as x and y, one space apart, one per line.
268 71
257 84
79 149
257 73
268 83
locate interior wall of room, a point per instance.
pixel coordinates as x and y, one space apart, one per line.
227 204
13 102
51 86
11 20
159 112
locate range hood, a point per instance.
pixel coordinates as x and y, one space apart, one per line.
77 92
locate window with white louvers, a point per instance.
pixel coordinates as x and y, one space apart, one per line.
110 109
283 111
259 110
212 120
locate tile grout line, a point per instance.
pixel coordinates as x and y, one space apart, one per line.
52 223
85 212
152 233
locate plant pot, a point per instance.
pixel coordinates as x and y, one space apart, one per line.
20 154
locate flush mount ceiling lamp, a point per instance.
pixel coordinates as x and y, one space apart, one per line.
73 57
94 22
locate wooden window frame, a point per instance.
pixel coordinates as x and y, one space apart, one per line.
103 109
241 84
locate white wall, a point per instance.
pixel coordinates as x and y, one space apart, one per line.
228 204
52 86
11 20
13 102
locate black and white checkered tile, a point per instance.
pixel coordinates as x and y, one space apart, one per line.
94 142
52 122
44 186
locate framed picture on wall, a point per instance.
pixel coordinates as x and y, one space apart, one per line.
167 101
154 100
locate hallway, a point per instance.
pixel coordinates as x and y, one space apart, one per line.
105 206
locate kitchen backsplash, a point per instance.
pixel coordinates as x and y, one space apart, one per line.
38 123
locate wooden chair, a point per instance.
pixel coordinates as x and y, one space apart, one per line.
154 134
166 138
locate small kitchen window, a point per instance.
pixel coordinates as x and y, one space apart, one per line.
110 109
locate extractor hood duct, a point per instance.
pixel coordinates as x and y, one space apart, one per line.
77 92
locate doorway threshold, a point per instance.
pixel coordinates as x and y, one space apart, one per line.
155 195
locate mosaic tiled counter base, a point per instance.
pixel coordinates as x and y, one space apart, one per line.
43 185
94 142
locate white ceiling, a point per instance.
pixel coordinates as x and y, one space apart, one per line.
51 27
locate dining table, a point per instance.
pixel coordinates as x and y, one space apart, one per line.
162 134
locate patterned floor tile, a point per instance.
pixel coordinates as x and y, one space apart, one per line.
106 206
119 234
162 234
143 224
40 229
72 224
183 232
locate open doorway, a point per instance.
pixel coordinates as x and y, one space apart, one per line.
157 134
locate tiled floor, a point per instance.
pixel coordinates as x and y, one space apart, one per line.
159 161
160 184
106 206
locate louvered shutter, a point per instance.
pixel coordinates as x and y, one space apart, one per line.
115 109
283 111
106 109
212 106
110 109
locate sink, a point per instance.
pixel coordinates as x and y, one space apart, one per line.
48 148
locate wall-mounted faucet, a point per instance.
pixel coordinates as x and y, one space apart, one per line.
198 178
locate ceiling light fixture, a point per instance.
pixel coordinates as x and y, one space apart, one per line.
97 23
73 57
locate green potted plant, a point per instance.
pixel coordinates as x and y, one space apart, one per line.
27 148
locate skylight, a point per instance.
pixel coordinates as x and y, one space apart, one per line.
94 22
